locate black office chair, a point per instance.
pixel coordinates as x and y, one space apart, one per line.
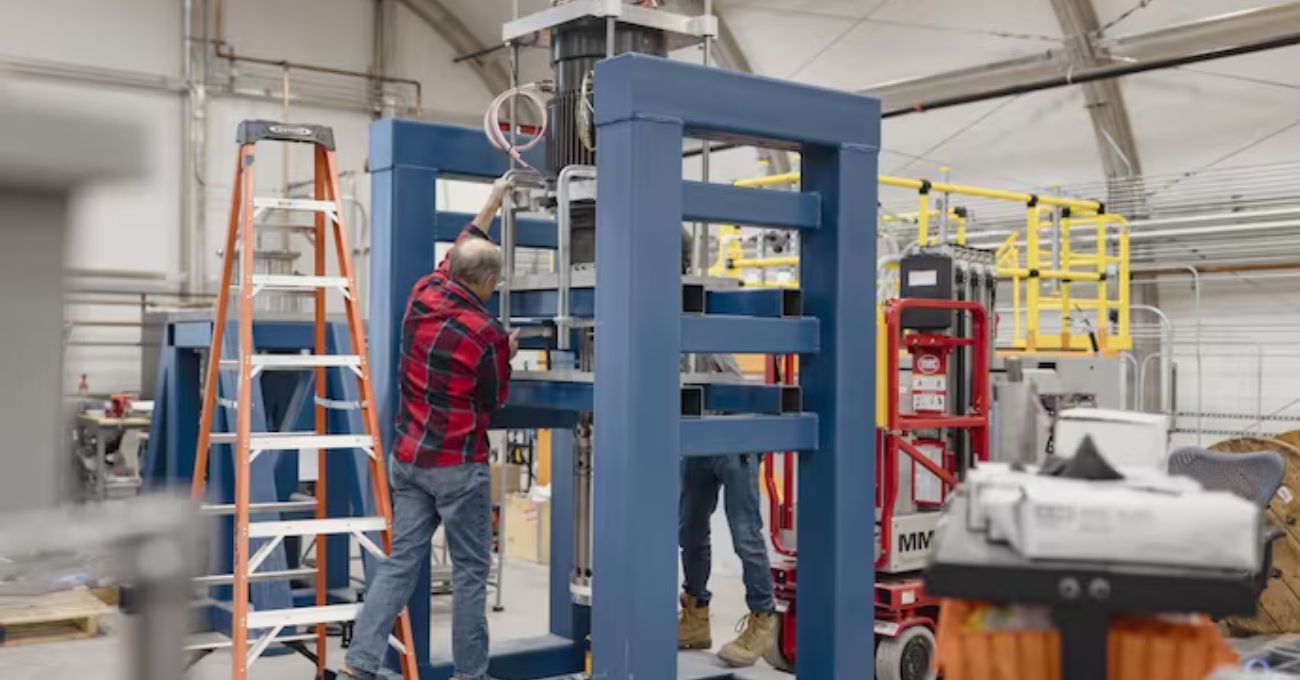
1253 476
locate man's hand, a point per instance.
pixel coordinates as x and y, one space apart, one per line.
514 343
493 204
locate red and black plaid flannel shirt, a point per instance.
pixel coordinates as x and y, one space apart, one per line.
455 371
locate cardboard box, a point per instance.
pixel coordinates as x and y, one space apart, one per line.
1126 439
528 529
507 474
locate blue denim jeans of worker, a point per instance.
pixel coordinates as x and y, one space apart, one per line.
458 498
702 477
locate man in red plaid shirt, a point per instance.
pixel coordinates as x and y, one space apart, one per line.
455 371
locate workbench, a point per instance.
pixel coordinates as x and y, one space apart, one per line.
1083 596
94 431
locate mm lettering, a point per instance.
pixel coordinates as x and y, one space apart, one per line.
916 540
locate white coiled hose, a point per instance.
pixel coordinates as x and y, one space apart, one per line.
531 95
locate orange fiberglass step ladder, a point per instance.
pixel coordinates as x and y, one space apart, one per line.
327 211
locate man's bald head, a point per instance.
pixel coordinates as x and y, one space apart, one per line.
476 264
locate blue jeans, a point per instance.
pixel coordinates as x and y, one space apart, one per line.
701 479
459 498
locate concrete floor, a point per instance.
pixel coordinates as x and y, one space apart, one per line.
525 615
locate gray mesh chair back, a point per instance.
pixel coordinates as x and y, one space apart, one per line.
1253 476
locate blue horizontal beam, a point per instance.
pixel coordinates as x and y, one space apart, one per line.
555 395
724 104
537 657
705 202
451 150
718 435
540 304
768 302
530 418
529 232
734 398
750 335
267 335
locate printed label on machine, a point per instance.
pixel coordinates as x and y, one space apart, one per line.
927 401
923 277
886 628
926 487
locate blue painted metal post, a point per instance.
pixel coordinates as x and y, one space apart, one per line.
642 332
835 507
638 357
402 250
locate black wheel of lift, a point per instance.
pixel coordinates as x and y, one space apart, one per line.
910 656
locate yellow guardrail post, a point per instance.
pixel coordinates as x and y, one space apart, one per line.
1103 297
1032 254
1065 282
1124 282
923 216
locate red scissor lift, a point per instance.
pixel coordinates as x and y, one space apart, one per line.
904 614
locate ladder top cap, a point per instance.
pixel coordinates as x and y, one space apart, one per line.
253 131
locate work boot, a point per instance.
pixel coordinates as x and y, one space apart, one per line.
693 626
757 633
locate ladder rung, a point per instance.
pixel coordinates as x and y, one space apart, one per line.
276 506
303 616
227 579
211 641
309 527
307 204
293 362
294 282
271 441
280 226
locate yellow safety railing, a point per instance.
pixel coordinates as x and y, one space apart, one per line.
1106 262
1091 284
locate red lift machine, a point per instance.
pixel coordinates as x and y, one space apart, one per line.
915 441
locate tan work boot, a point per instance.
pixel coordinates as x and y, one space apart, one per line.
693 625
757 633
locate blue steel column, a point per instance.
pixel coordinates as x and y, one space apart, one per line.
638 256
403 202
838 263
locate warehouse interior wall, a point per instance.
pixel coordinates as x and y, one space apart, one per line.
125 59
128 234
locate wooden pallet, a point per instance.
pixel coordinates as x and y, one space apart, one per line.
66 615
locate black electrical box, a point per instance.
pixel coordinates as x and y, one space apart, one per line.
928 276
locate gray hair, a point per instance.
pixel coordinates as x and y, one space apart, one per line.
475 261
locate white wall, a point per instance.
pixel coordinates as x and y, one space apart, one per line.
136 225
1236 313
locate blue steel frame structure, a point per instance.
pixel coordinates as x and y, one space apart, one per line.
283 402
645 107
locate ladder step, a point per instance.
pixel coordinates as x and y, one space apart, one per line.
207 642
303 616
305 204
280 226
276 506
293 362
293 282
310 527
227 579
270 441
